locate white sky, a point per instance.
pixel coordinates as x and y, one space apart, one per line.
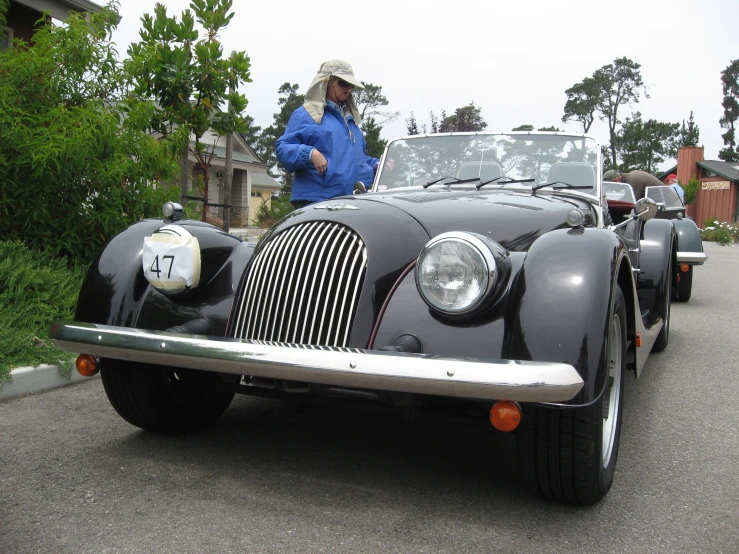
515 59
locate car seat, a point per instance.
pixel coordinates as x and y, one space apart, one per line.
484 170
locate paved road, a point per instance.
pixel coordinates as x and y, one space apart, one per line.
74 477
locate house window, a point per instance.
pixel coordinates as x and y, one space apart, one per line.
6 38
256 194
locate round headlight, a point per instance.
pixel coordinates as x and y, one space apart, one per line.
173 211
454 273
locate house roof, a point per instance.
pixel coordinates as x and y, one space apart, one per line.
727 170
666 172
264 181
59 9
220 152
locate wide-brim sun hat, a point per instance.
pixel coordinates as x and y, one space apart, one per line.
341 69
611 175
315 96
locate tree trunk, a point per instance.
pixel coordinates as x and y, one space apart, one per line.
183 176
227 185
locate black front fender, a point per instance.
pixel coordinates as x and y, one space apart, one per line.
115 291
562 300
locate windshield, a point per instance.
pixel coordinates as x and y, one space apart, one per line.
619 191
664 195
492 160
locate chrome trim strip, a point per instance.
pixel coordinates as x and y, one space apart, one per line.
521 381
692 257
296 261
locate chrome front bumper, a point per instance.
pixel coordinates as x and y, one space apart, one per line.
346 367
692 257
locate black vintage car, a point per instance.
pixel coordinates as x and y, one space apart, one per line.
687 234
485 275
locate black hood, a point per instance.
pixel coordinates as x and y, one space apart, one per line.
513 219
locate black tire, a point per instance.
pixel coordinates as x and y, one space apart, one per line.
683 286
570 455
664 335
165 399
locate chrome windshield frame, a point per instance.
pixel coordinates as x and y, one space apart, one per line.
598 167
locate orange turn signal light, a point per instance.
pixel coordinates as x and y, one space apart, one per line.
505 415
86 365
638 339
684 268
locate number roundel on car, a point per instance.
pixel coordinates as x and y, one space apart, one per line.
171 259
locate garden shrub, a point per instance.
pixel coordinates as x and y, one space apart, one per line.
691 190
35 290
723 233
74 170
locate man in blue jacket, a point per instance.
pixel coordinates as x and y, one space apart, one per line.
323 144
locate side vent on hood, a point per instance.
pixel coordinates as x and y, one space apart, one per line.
302 287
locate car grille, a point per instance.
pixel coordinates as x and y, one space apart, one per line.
303 287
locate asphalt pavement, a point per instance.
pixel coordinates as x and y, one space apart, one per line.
77 478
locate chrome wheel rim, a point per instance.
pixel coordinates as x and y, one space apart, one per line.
613 392
668 296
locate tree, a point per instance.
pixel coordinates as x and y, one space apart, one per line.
605 92
730 103
369 100
375 145
582 103
188 78
411 124
646 144
621 83
464 119
74 171
531 128
252 135
288 102
690 134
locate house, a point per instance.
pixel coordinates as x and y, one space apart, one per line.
718 196
23 16
251 185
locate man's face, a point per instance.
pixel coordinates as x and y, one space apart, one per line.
339 91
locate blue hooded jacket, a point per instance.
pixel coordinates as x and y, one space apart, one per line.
342 144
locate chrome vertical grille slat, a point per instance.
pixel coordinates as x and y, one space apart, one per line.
259 307
357 253
337 249
322 285
287 283
302 287
312 262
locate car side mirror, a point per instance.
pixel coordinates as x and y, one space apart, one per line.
359 188
645 208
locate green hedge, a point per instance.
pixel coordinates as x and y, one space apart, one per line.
35 289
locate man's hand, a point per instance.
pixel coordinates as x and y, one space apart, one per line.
319 161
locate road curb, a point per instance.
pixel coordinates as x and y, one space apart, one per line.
28 380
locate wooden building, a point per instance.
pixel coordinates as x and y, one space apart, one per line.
718 197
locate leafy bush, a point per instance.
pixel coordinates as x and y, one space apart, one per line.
35 289
281 206
691 190
268 214
74 171
723 233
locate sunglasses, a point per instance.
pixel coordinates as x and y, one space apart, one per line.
343 84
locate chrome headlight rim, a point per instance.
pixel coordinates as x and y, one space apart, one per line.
491 271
